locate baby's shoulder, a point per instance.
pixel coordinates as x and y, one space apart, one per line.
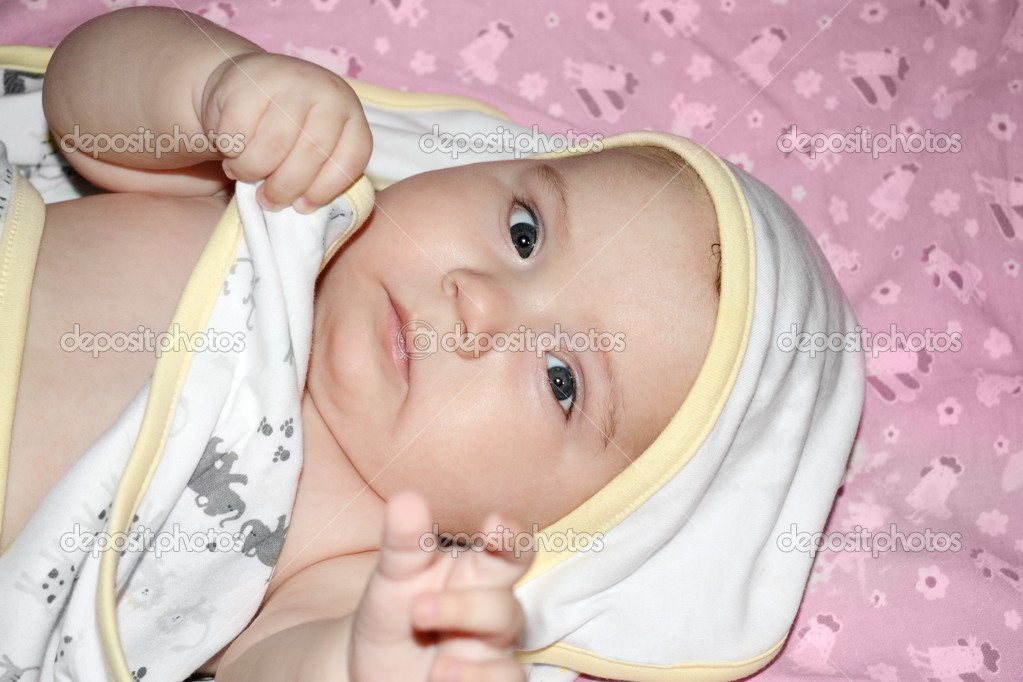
333 585
327 589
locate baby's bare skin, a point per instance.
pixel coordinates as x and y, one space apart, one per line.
349 589
115 262
101 268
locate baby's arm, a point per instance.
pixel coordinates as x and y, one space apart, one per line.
424 616
178 77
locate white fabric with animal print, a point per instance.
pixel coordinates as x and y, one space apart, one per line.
214 516
692 578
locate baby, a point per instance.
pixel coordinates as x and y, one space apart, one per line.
617 241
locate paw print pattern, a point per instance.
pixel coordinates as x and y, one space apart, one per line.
53 579
282 454
60 654
138 674
287 427
51 587
264 427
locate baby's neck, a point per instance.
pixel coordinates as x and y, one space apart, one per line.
336 513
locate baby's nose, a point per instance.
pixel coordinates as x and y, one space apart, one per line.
482 303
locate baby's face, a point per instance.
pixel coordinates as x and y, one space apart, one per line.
532 434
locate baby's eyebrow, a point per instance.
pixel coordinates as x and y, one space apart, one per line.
613 406
553 183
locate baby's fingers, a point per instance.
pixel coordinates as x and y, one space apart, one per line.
453 670
318 136
279 127
493 615
346 163
506 557
406 523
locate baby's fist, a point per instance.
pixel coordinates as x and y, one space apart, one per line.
432 615
302 128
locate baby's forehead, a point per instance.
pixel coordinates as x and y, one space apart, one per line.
651 170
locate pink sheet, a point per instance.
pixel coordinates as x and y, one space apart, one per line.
930 241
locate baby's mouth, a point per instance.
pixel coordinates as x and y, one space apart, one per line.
395 340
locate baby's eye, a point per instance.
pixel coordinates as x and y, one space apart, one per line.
523 230
562 382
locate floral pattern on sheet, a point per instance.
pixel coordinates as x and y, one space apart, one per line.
928 239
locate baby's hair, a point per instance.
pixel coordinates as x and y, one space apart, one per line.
666 160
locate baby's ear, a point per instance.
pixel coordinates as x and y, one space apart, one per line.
715 250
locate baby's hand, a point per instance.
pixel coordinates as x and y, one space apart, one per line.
302 128
431 616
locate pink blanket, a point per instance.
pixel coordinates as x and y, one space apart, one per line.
923 222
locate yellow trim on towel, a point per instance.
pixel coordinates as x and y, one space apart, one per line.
418 101
18 250
661 461
193 312
584 661
361 196
692 423
28 58
690 426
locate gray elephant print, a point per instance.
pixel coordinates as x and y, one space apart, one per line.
211 482
263 543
